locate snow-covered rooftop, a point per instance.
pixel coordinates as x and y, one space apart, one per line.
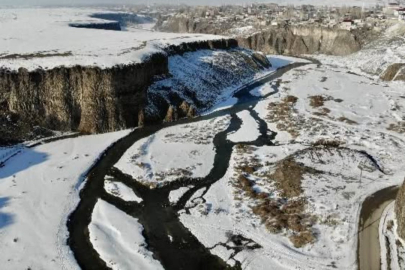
42 38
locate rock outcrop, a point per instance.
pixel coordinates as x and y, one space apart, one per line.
302 40
400 211
92 100
394 72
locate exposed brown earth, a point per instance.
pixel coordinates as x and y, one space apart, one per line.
395 72
281 113
398 127
277 215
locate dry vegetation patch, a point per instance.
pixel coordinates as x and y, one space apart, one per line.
285 212
317 101
282 114
398 127
347 120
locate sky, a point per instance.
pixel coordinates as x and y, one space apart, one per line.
189 2
93 2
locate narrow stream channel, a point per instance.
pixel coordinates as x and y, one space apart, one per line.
158 217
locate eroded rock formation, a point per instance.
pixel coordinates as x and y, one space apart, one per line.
88 99
302 40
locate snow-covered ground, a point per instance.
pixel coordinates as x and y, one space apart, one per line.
248 132
354 111
42 38
39 188
175 195
118 238
120 190
174 152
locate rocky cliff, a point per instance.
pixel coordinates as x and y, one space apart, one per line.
400 211
290 40
91 99
302 40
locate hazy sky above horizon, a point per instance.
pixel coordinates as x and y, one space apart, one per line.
189 2
93 2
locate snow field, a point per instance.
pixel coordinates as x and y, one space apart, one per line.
174 152
120 190
40 188
118 238
35 38
249 130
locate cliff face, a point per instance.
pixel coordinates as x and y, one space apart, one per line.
91 99
302 40
400 211
87 99
292 40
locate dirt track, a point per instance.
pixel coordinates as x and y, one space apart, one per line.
368 242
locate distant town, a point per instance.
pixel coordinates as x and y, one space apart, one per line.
252 17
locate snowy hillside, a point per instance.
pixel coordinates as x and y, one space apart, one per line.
42 38
220 73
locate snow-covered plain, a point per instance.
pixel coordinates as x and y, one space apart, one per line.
174 152
249 131
39 188
118 239
42 38
356 112
175 195
120 190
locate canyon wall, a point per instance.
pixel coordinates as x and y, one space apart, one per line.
289 40
88 99
302 40
91 99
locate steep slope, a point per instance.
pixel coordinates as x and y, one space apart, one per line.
198 79
302 40
92 99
